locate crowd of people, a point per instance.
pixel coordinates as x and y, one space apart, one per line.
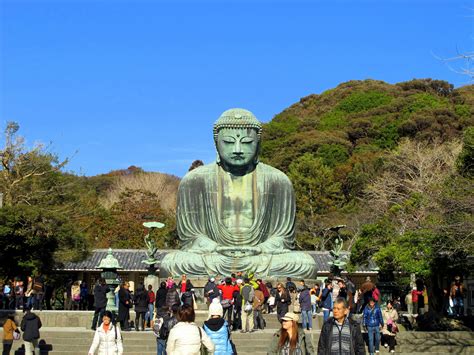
235 303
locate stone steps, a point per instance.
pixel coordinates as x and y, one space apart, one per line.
77 341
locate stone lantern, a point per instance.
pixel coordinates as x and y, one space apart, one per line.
109 266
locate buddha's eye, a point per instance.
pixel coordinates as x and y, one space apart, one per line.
246 140
228 140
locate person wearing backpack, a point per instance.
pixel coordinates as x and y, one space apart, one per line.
107 337
187 297
248 293
140 300
162 332
30 326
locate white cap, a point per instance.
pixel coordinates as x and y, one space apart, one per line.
212 279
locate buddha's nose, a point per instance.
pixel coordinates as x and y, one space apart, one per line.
237 148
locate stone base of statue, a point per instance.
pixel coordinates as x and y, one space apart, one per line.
295 264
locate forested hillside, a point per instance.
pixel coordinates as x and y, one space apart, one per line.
385 160
392 162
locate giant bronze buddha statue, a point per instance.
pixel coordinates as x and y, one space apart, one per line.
237 214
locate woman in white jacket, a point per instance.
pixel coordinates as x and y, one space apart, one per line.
186 337
107 338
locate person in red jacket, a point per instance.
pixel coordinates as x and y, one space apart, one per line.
266 293
227 291
414 298
151 306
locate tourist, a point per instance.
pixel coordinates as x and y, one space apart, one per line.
185 338
340 334
160 296
282 300
390 328
184 284
107 337
237 309
124 305
342 289
76 295
49 295
271 302
151 306
38 287
30 296
266 293
290 339
420 286
9 327
305 305
227 297
290 285
326 299
172 296
18 290
351 290
258 304
84 302
372 320
141 301
100 302
169 321
187 297
366 290
414 298
67 296
458 292
210 290
409 302
30 326
218 329
247 291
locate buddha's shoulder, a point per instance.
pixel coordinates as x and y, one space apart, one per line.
199 173
274 173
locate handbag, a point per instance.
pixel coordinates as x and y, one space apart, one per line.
16 335
225 303
203 347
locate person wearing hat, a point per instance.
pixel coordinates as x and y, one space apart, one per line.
340 334
217 329
290 339
210 290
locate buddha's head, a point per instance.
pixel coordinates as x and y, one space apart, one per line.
237 136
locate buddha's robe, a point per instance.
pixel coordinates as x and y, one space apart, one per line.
251 216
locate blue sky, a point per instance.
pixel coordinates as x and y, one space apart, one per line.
141 82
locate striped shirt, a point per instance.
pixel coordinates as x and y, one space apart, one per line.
341 338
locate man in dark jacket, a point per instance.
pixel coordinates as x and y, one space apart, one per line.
30 325
210 290
100 302
141 300
187 298
125 303
160 296
305 304
340 334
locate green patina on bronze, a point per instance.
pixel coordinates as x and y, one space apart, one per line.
237 214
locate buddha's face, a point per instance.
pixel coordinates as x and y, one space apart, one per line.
237 147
